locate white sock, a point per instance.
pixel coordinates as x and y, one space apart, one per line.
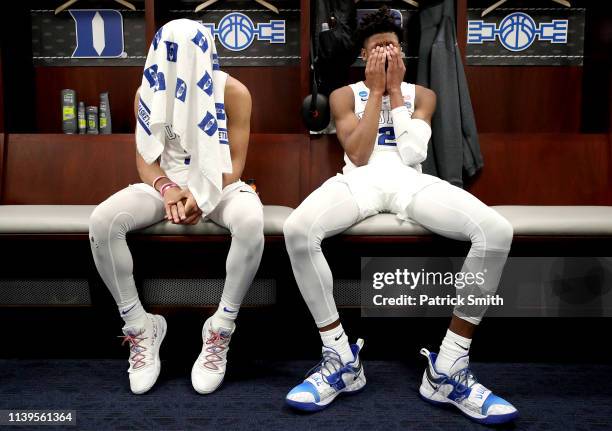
133 314
336 339
453 347
225 315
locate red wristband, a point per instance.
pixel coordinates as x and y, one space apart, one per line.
167 186
157 179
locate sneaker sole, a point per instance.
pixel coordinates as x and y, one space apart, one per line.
485 420
207 392
315 407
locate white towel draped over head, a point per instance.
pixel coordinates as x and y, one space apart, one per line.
182 85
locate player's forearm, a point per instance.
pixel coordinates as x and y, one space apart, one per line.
237 168
411 135
239 135
360 143
148 173
395 97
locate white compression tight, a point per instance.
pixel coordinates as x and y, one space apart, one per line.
441 207
134 208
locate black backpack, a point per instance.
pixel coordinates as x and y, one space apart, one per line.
333 37
332 52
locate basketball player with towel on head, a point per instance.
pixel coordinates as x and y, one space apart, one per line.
192 133
383 125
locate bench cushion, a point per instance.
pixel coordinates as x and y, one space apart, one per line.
526 220
33 219
558 220
74 219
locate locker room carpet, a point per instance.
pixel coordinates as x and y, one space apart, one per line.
548 397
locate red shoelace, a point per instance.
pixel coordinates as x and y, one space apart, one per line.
217 344
138 357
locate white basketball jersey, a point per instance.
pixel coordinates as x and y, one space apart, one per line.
385 145
174 159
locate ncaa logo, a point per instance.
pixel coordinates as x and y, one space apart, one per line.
518 31
99 33
407 102
237 32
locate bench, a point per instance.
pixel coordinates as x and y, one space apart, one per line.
47 267
48 222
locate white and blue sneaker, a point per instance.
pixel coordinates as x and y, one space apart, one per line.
461 390
328 379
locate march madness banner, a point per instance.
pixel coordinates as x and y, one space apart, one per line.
526 37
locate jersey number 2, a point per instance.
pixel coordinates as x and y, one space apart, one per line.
386 136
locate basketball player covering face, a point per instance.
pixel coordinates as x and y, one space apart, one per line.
383 125
154 200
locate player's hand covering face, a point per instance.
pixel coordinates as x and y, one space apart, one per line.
375 70
395 68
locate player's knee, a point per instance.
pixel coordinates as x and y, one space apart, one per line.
498 232
296 234
249 231
105 224
99 225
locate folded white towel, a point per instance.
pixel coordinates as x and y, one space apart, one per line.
179 87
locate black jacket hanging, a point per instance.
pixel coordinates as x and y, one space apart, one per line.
454 149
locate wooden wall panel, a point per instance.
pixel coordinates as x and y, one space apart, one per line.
1 95
520 169
273 161
2 166
461 25
276 94
88 82
73 169
150 24
325 159
545 169
526 99
67 169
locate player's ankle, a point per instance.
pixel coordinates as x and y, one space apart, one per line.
337 340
